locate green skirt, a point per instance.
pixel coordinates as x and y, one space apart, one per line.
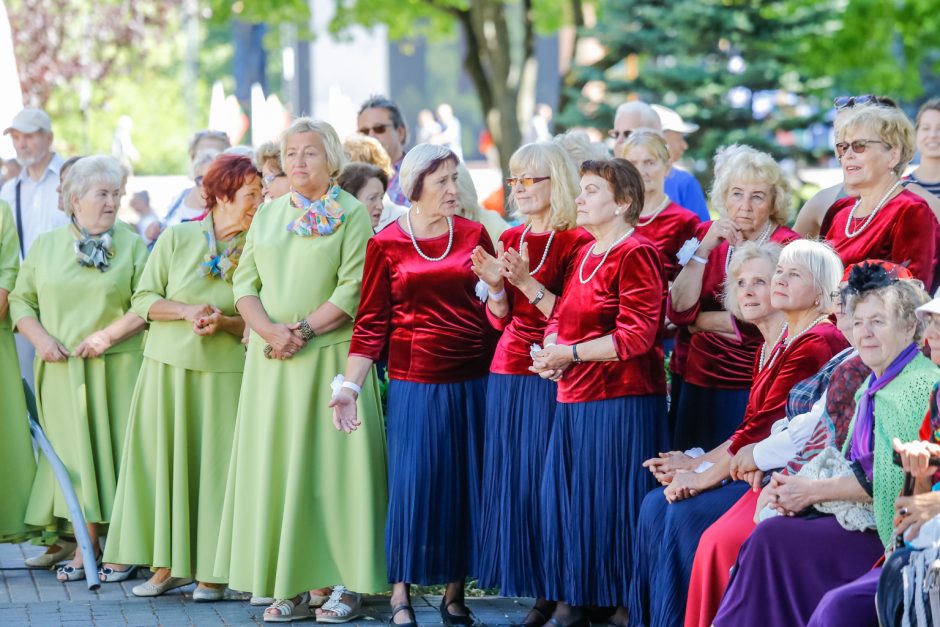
17 462
305 504
83 407
169 496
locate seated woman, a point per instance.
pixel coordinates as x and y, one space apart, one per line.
801 558
790 307
819 411
752 196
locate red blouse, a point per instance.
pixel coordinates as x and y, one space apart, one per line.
668 232
525 325
712 360
425 313
625 298
905 231
768 400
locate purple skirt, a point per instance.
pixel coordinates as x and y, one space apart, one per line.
788 564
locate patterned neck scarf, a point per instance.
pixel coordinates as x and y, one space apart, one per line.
93 251
321 217
221 261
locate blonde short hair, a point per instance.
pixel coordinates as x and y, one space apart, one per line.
650 139
364 149
748 251
87 172
823 264
335 157
580 148
740 163
468 201
550 159
268 151
888 124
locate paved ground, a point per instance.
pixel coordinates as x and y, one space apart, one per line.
34 598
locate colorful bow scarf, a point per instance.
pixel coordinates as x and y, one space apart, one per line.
221 261
93 251
321 217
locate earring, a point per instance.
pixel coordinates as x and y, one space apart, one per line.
817 302
616 213
417 209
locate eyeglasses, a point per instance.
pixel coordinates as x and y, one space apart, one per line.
858 146
615 134
198 181
378 129
527 181
270 178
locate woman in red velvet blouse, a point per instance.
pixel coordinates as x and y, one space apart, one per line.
603 346
419 304
753 197
881 219
520 406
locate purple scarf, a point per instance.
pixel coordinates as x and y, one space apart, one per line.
863 442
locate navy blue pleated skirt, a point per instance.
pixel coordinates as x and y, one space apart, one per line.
591 494
520 411
435 454
706 417
667 536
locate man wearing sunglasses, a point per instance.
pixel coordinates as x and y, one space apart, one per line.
381 118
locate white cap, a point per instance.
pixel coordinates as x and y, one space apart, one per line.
933 307
672 121
30 120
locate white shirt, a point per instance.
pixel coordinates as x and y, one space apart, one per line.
788 437
39 202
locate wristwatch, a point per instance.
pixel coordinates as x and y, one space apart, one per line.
539 295
574 354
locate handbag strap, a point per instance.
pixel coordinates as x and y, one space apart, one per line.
19 219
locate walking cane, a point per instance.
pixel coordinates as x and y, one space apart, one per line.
71 499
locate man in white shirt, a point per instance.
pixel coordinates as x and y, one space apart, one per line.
33 194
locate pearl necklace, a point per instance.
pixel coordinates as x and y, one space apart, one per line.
761 240
662 206
548 245
871 216
787 342
414 242
763 347
591 252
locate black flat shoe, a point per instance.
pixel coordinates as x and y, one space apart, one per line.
403 608
581 621
455 619
540 618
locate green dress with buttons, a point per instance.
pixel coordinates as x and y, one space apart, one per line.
182 418
304 504
82 403
17 464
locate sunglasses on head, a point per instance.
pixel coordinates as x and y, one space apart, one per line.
858 146
847 102
527 181
378 129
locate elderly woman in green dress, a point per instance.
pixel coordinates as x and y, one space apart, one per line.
182 418
17 464
304 504
72 302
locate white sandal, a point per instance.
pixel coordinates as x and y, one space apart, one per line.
342 612
287 611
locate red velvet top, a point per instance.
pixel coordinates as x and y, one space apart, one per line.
425 313
905 231
625 298
525 325
712 360
668 232
768 400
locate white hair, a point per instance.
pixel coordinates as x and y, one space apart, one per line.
335 155
648 116
203 159
417 164
821 261
87 172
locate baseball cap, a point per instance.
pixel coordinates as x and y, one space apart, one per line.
932 307
672 121
30 120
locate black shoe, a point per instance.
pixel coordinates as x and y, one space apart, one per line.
541 617
581 621
455 619
403 608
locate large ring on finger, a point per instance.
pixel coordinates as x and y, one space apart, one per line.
904 512
268 349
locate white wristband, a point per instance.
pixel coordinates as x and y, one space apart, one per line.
349 385
498 296
339 382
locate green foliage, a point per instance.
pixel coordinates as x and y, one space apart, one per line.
273 12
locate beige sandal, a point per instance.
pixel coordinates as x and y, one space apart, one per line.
287 611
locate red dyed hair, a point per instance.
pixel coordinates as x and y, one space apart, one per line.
226 175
